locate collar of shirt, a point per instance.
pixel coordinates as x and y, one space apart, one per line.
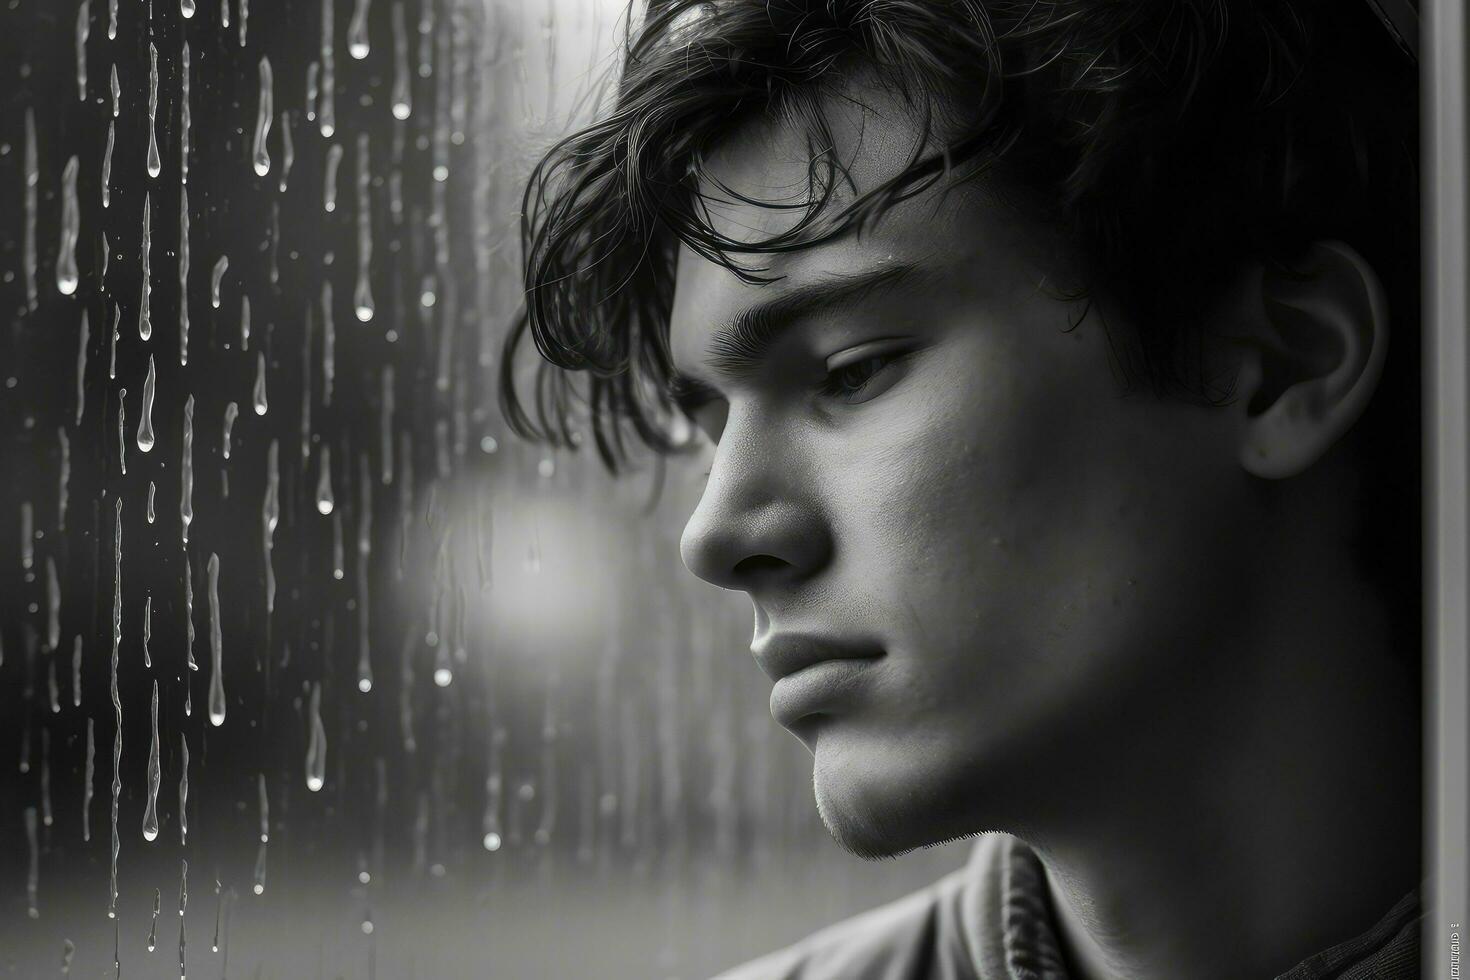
1010 931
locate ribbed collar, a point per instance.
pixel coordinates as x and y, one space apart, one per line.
1010 927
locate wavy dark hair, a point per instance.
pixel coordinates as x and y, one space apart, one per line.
1169 140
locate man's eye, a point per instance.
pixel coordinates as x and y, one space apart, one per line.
849 381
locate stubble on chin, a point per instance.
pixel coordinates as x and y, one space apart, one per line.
881 828
866 829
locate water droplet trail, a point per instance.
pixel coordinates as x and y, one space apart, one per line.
145 423
326 114
66 255
107 168
116 698
33 866
316 746
363 297
357 31
324 499
153 930
145 323
265 111
90 771
186 495
216 276
155 776
32 178
259 395
155 165
216 678
183 787
84 27
270 513
183 276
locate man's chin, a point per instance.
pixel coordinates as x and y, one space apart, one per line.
865 823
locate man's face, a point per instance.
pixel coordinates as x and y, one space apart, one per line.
931 482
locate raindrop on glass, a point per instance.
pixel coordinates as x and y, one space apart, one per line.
89 770
265 809
183 276
145 323
288 150
122 444
27 535
183 789
265 112
326 114
218 908
311 91
155 165
357 31
86 331
116 699
385 425
76 671
84 27
186 493
329 343
216 677
116 324
189 616
324 499
259 886
402 98
185 119
53 605
153 930
215 277
363 297
270 513
64 478
259 394
183 905
66 256
32 179
231 410
107 171
338 562
329 189
316 746
147 630
145 423
155 776
33 868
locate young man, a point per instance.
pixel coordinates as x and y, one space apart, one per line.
1060 445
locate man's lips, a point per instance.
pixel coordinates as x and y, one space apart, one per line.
813 674
783 654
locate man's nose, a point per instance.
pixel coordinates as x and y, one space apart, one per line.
757 526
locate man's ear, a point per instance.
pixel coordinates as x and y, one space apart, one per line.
1313 360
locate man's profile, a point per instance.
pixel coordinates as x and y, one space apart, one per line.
1059 360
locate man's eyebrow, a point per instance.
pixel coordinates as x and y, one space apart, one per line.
740 346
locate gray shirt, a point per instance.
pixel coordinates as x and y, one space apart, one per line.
992 920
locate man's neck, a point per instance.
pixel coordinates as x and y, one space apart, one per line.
1294 826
